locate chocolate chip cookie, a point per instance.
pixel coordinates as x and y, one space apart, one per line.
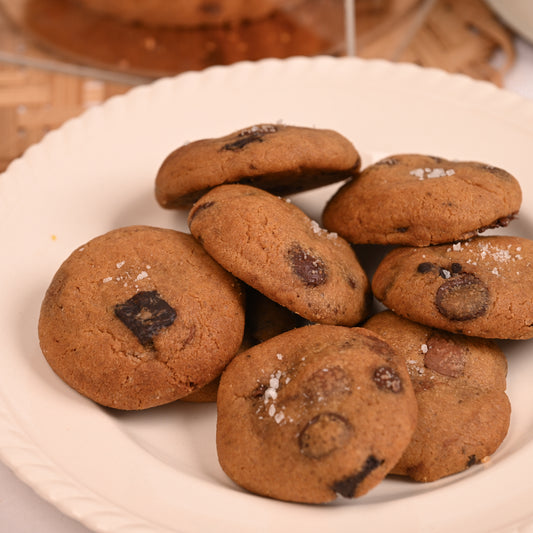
459 383
314 413
480 287
271 245
418 200
275 157
139 317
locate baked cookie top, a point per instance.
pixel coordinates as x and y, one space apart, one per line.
418 200
313 413
139 317
459 383
279 158
273 246
480 287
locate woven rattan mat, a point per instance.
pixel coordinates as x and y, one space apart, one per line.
455 35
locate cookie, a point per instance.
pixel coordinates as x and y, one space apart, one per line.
184 13
459 383
271 245
480 287
264 319
278 158
139 317
313 413
418 200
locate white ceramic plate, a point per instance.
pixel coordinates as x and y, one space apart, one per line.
157 471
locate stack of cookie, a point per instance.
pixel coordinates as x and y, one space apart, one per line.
261 308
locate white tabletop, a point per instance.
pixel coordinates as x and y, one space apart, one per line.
23 511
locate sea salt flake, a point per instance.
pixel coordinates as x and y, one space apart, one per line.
495 272
450 172
141 276
436 173
107 280
457 247
424 348
272 410
279 356
418 172
278 417
121 264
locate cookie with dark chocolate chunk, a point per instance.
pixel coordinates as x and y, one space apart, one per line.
278 158
459 384
314 413
479 287
418 200
139 317
271 245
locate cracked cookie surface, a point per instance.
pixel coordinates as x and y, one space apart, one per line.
139 317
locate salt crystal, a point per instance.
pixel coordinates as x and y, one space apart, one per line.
121 264
272 410
142 275
436 173
278 417
107 280
457 247
424 348
418 172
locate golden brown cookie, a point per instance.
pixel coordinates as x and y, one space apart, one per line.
313 413
139 317
480 287
275 157
271 245
418 200
459 383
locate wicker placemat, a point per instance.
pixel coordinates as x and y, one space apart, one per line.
456 35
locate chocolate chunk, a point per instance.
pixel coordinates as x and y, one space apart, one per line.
245 137
423 268
242 142
456 268
348 486
445 356
402 229
324 434
327 383
472 460
462 297
145 315
386 379
499 223
308 268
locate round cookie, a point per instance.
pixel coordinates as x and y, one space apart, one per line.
479 287
274 247
313 413
459 383
418 200
278 158
184 13
139 317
